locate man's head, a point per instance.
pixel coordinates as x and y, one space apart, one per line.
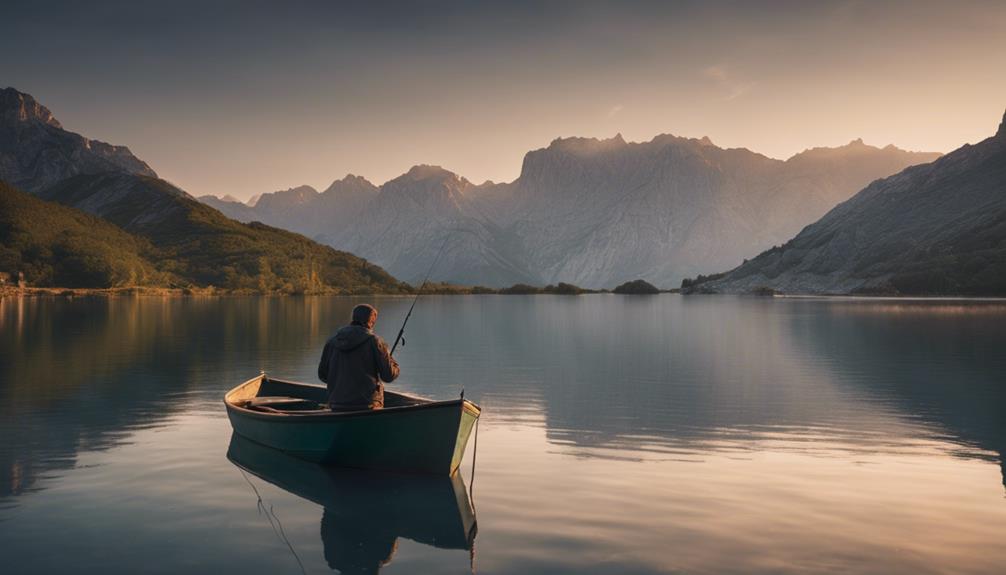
365 315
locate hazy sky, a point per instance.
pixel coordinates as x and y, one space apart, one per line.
246 97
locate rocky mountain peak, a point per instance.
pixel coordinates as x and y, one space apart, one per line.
36 152
285 198
300 192
429 172
354 179
424 177
586 146
18 107
349 184
1002 128
856 146
428 186
859 151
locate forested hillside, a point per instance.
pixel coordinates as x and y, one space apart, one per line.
189 245
58 246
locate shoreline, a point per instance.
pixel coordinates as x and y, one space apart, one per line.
7 291
137 291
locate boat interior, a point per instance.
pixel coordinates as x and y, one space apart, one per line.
267 395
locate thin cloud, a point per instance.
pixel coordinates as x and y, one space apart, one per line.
615 110
721 76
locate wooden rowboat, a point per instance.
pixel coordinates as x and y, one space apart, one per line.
411 434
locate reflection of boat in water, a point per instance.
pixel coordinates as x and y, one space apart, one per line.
365 512
410 434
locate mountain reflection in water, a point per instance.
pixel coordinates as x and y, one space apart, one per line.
366 512
637 378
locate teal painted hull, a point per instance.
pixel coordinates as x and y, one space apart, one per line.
411 434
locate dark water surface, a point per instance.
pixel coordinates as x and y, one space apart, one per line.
620 435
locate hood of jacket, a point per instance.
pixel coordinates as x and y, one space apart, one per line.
351 337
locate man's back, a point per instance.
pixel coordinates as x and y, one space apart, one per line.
354 365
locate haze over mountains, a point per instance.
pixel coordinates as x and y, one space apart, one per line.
586 211
935 229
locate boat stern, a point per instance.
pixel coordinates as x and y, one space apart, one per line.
470 413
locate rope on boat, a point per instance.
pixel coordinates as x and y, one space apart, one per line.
271 515
471 490
475 452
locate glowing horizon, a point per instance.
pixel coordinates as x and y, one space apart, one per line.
234 99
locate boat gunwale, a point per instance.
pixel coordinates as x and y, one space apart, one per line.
296 417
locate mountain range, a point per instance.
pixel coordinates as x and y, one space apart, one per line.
586 211
595 212
935 229
100 217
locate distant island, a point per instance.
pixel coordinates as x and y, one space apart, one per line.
636 287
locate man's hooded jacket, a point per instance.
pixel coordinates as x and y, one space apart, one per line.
355 364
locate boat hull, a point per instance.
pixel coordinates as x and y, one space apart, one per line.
419 436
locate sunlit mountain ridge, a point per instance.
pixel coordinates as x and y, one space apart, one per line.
594 212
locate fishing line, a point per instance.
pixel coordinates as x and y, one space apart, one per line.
270 516
401 332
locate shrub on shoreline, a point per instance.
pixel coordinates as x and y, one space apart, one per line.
637 287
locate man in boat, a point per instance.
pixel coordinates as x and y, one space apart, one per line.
356 364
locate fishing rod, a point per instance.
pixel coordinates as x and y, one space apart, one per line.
401 332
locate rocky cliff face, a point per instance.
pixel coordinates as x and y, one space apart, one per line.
598 212
938 228
137 204
231 207
337 208
429 208
324 216
36 152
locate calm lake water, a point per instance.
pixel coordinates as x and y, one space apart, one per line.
647 434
